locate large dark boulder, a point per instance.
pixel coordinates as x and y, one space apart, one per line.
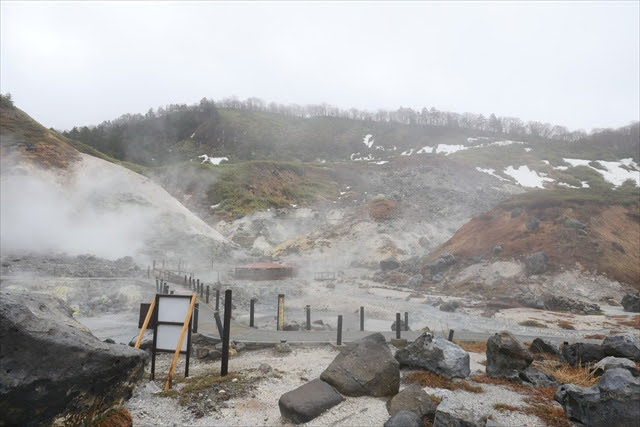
613 401
404 419
506 356
631 302
53 368
580 353
622 345
435 354
365 368
561 303
412 398
538 378
389 264
308 401
612 362
536 263
541 346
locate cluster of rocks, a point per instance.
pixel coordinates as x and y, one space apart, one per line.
368 368
54 371
556 303
68 266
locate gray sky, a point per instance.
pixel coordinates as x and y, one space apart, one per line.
569 63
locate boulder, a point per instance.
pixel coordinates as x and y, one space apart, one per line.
536 263
611 362
306 402
451 413
612 401
435 354
53 369
412 398
579 353
538 378
622 345
449 306
404 419
365 368
560 303
293 326
516 213
541 346
282 347
442 263
533 224
497 249
506 356
389 264
631 302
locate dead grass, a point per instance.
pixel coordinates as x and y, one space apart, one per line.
382 209
595 336
634 322
430 379
565 324
581 375
532 323
539 401
116 417
472 346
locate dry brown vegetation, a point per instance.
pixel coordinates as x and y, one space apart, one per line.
565 324
433 380
563 246
595 336
382 209
634 322
539 401
532 323
118 417
581 375
473 346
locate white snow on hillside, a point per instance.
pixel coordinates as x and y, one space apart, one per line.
449 149
526 177
491 172
213 160
407 153
425 149
616 172
527 149
368 140
470 140
354 157
504 143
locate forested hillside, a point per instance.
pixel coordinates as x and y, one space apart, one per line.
255 130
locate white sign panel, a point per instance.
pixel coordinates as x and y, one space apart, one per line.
168 336
173 309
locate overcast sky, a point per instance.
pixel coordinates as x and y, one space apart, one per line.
574 64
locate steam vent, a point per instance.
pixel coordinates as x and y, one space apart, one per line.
265 271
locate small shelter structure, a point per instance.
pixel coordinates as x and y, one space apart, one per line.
265 271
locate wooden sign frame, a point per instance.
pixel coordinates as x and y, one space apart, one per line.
175 319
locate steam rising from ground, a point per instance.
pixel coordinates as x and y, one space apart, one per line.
41 216
98 208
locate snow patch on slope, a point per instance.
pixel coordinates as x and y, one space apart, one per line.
526 177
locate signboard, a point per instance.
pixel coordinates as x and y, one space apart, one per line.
170 312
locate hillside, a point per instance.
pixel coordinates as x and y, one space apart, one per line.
56 199
580 229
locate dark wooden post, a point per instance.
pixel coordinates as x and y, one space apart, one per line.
406 321
252 309
208 290
339 339
196 311
398 327
308 308
280 314
154 264
198 285
451 334
224 368
185 280
217 299
361 318
216 315
157 285
202 290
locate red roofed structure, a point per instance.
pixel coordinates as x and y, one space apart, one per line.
265 271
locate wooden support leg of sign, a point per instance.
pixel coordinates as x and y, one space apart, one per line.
146 322
176 355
